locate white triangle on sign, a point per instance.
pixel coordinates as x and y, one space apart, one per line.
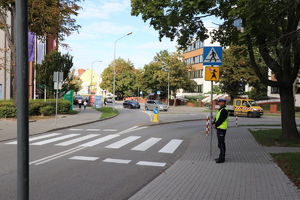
212 56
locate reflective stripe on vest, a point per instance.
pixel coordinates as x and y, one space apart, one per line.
224 125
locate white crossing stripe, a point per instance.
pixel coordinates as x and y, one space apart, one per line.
171 146
37 138
155 164
123 142
134 128
77 140
112 130
100 140
84 158
120 161
146 145
93 129
54 139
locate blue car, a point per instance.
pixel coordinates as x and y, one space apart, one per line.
131 104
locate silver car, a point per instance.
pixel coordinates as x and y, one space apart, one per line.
151 104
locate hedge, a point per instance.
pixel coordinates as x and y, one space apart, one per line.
35 108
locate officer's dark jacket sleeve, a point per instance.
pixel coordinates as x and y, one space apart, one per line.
223 116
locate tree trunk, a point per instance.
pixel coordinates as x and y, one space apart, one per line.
288 122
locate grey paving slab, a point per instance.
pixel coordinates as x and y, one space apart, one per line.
248 173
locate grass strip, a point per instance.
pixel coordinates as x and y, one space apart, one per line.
290 165
270 138
107 112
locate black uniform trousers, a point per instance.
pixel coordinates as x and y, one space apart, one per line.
221 143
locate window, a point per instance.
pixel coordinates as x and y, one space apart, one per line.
199 88
275 90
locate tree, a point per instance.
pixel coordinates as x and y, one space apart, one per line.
125 78
53 62
236 72
45 18
270 26
173 62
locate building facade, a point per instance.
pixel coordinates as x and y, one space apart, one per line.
193 55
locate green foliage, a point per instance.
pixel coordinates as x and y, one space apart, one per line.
53 62
35 108
107 112
125 78
175 68
194 98
216 90
269 28
8 112
236 72
46 111
51 18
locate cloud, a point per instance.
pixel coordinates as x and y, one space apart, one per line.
102 9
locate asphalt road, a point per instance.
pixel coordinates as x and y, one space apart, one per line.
111 159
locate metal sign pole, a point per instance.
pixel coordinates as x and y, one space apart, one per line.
22 99
210 122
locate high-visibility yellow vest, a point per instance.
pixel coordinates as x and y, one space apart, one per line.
224 125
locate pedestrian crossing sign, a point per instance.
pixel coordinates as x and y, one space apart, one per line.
212 56
212 73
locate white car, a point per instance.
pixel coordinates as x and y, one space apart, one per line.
109 98
151 104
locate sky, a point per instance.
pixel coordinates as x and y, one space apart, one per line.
103 23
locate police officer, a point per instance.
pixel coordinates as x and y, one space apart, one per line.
221 124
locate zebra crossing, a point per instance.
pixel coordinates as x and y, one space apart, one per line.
92 139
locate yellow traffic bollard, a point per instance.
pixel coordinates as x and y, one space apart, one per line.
155 116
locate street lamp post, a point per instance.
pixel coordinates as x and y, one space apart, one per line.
92 75
114 85
164 68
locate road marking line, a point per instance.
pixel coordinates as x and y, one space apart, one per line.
98 141
54 139
146 145
123 142
155 164
87 158
91 129
134 128
55 156
171 146
120 161
77 140
112 130
37 138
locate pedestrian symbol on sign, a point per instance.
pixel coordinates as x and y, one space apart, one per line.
212 73
212 56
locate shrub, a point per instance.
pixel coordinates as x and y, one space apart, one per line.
8 112
46 111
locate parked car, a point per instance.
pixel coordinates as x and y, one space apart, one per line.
151 104
109 98
131 104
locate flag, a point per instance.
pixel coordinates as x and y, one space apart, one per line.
30 46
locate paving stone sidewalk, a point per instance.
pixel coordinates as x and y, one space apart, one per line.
248 173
